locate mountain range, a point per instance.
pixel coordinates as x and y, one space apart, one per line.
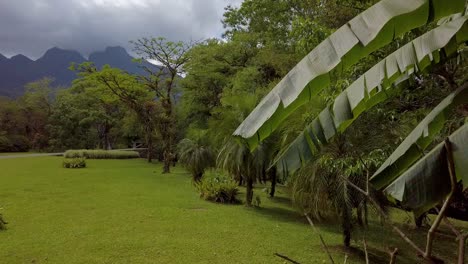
19 70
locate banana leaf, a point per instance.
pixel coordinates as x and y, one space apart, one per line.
427 182
370 30
382 81
411 149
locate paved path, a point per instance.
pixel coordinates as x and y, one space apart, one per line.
14 156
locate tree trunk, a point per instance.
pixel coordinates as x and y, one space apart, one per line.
241 181
149 154
366 213
346 225
419 220
273 183
359 214
168 133
249 194
167 162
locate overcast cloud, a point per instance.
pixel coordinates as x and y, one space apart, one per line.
30 27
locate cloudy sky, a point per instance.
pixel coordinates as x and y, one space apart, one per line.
30 27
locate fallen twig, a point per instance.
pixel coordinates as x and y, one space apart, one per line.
321 238
286 258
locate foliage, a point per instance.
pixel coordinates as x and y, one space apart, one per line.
378 84
101 154
23 121
218 189
423 185
341 50
419 139
196 157
74 163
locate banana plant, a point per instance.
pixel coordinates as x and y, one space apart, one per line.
381 82
411 149
370 30
427 182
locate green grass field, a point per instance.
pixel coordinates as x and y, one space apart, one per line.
126 211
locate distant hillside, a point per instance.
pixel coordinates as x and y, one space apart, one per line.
20 70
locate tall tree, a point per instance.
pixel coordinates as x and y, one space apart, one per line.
128 90
163 82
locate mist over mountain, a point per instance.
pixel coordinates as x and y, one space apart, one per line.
19 70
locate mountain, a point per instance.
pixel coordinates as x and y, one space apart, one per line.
20 70
55 63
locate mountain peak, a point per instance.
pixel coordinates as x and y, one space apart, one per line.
55 52
19 70
20 58
2 58
116 49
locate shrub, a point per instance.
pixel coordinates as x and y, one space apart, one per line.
219 190
101 154
74 163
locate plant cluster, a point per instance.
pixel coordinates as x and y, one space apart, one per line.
101 154
74 163
219 190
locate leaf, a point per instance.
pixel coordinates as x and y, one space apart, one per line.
427 182
410 150
370 30
382 81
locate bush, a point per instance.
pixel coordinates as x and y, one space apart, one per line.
13 143
219 190
101 154
74 163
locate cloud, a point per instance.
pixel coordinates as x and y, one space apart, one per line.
31 27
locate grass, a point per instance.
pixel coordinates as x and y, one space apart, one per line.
126 211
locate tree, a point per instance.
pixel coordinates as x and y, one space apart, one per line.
163 82
128 90
196 157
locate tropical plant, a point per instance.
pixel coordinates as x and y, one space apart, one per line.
380 83
243 165
410 150
218 189
370 30
196 157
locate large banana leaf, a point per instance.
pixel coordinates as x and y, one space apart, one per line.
370 30
427 182
411 149
376 85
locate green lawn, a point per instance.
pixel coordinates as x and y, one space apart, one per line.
126 211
